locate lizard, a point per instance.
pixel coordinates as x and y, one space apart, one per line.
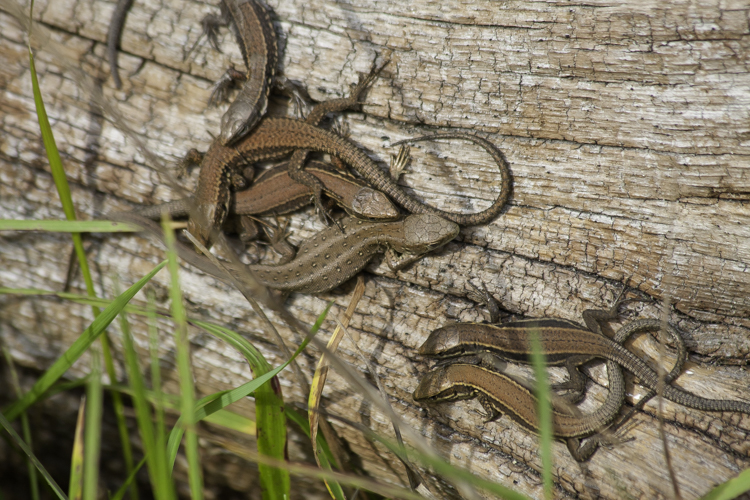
357 198
273 136
255 34
334 256
567 342
273 193
331 257
217 175
518 408
502 394
114 33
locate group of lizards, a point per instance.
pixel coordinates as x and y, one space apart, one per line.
223 200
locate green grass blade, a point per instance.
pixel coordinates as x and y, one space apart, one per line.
122 426
75 487
187 391
119 407
231 420
269 412
63 189
215 402
161 482
21 444
120 493
327 461
304 424
164 489
730 489
74 297
58 172
175 436
93 429
58 175
75 351
544 410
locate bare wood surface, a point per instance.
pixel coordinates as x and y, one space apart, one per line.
627 133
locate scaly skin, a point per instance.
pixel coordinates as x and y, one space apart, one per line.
335 255
331 257
501 394
276 136
255 35
213 193
273 192
566 342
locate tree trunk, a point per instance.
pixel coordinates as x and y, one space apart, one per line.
626 130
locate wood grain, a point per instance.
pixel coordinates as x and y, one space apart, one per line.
627 133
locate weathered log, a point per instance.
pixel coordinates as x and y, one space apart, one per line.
626 131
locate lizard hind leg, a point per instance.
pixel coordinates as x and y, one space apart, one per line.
582 449
490 412
297 162
277 239
576 383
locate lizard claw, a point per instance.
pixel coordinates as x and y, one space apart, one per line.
399 162
483 296
325 214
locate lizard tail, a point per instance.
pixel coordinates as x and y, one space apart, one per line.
506 181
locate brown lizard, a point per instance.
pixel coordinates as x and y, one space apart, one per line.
566 342
443 344
253 29
331 257
335 255
217 176
273 136
273 192
501 394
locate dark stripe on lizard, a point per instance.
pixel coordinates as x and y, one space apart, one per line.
275 136
501 394
274 192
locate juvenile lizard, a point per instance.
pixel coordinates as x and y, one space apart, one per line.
273 136
566 342
501 394
442 345
253 29
332 257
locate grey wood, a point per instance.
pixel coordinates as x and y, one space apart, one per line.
626 131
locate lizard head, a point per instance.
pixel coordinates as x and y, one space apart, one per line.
239 120
372 204
200 222
426 232
443 342
439 385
